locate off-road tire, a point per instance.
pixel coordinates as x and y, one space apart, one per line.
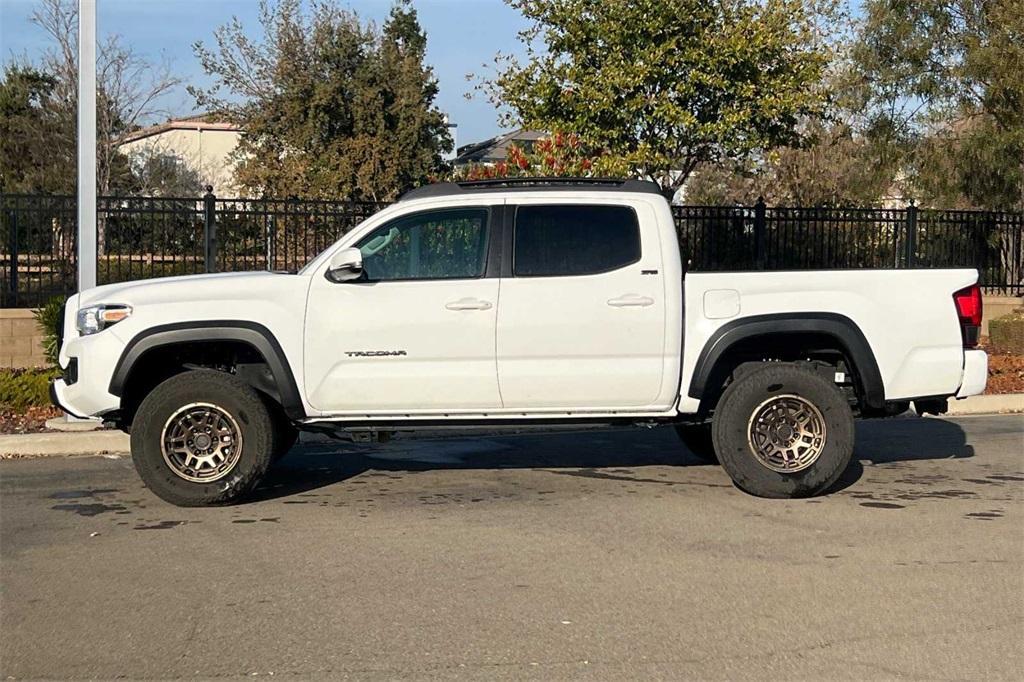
731 424
697 439
231 395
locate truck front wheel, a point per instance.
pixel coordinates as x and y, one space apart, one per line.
202 438
783 431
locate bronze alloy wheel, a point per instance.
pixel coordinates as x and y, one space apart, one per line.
201 442
786 433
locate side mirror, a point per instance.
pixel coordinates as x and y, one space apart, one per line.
345 265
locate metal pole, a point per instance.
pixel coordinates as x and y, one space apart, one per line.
86 144
271 235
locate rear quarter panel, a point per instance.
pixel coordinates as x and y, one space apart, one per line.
907 316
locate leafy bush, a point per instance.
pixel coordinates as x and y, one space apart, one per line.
47 318
24 388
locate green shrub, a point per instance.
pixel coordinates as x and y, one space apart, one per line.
23 388
47 318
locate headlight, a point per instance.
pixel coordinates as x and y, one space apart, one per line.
96 318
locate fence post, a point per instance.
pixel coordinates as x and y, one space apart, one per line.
12 222
271 242
760 252
210 229
911 244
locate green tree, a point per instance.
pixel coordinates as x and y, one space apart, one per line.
942 79
666 85
331 108
835 167
30 162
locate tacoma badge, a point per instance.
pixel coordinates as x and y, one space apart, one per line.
373 353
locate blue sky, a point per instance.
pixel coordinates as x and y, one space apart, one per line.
461 36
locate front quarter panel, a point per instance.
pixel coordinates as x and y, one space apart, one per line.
273 301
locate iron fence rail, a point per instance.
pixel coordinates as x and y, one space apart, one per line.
144 237
723 238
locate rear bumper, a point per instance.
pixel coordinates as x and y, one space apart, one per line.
975 373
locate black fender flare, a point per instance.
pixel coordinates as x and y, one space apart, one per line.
851 339
251 333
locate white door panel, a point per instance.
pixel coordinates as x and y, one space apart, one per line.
560 343
444 330
415 334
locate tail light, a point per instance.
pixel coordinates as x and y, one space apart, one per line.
968 309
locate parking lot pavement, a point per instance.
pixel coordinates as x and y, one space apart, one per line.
603 554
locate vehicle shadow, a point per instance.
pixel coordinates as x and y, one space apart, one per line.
903 439
311 466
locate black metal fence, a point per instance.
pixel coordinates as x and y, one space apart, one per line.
789 238
143 237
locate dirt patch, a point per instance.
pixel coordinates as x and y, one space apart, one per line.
1005 371
29 420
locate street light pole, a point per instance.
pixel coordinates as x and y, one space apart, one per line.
86 144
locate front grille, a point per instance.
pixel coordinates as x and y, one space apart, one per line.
59 328
71 372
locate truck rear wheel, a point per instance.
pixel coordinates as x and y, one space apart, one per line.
202 438
783 431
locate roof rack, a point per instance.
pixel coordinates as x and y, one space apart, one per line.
530 185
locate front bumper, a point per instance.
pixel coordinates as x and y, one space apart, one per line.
87 363
975 373
57 387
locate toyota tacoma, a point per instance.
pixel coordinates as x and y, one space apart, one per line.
500 303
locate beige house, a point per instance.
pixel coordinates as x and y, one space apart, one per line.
203 144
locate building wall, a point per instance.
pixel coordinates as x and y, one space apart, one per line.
21 342
207 151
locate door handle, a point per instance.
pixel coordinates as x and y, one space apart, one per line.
629 300
468 304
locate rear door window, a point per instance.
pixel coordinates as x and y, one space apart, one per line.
566 240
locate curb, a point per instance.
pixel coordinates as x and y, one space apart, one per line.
987 404
63 443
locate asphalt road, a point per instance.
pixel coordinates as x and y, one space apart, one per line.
601 554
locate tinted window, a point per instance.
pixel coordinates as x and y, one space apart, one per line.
433 245
574 240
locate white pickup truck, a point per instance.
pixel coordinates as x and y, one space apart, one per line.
512 302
